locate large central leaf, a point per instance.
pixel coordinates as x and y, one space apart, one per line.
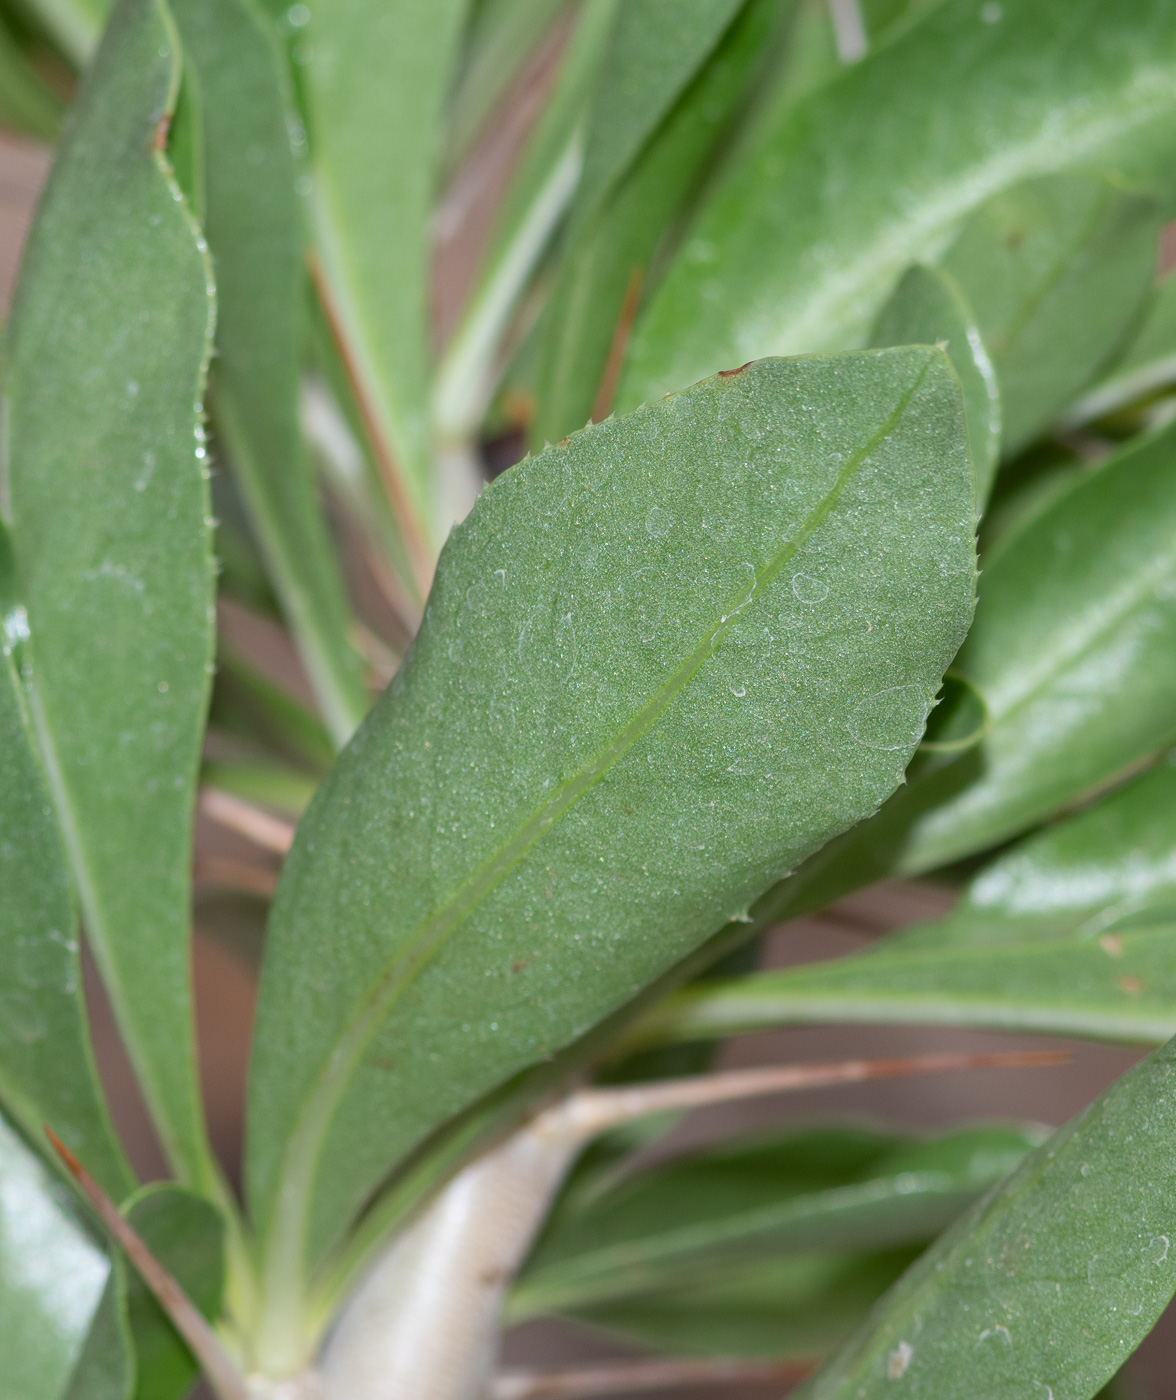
661 663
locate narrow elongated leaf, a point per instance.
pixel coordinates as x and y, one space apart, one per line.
808 234
107 480
52 1274
1058 271
1147 364
27 104
656 47
613 249
685 1223
254 222
1071 932
73 25
929 308
710 670
132 1350
46 1069
376 76
1049 1283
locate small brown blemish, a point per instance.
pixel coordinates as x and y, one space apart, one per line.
517 967
161 131
1014 238
1131 985
728 373
1111 943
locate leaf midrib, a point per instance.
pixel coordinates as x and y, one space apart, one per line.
290 1217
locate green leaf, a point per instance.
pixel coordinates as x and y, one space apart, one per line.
52 1275
74 26
254 223
929 308
376 70
1048 1284
1147 364
110 516
47 1073
1058 271
684 1224
807 235
655 49
798 1306
1069 933
613 248
133 1352
706 686
27 104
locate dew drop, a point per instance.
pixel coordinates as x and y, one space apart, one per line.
808 589
890 719
738 691
991 13
658 522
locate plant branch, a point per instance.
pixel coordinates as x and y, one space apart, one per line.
187 1318
626 1378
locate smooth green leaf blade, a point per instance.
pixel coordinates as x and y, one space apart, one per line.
52 1275
556 697
47 1073
684 1224
928 308
106 1367
186 1234
1051 1281
27 104
74 26
655 48
1073 651
612 251
254 223
1058 271
1147 364
800 1306
806 237
111 530
132 1351
376 77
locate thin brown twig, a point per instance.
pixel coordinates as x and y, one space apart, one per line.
262 828
590 1111
189 1321
602 404
236 875
403 508
628 1377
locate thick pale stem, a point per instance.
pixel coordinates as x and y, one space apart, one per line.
424 1323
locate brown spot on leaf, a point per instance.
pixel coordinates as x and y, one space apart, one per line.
729 373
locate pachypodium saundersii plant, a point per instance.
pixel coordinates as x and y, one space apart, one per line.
786 313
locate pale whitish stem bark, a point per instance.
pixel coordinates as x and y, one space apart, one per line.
424 1323
633 1377
260 827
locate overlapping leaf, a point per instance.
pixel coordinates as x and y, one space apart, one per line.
655 671
111 531
808 234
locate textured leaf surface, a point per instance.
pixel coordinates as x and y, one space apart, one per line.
928 308
52 1274
1058 271
46 1071
132 1351
254 221
1048 1284
804 240
109 501
659 664
685 1224
376 76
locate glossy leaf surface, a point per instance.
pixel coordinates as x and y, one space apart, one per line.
110 514
1058 271
106 1366
653 673
1050 1282
1148 362
373 68
254 222
52 1274
928 308
682 1225
46 1070
808 234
